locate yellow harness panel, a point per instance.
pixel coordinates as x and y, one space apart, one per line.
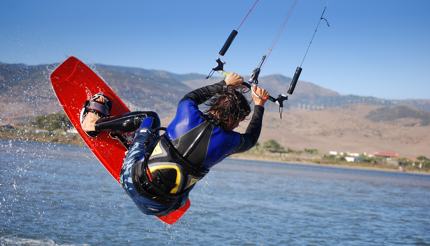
182 182
169 165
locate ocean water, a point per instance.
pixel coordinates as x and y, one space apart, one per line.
60 195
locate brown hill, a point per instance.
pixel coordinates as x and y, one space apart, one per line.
392 113
347 130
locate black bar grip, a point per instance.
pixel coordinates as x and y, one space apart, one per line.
272 99
228 43
294 81
248 85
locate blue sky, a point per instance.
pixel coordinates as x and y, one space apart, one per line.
373 48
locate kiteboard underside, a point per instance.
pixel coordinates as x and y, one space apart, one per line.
74 83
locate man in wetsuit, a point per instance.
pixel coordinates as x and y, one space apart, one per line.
159 171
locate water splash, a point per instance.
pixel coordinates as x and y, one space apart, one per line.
15 240
50 69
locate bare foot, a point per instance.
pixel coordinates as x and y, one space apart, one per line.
89 123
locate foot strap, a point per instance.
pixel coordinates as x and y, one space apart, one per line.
126 123
100 108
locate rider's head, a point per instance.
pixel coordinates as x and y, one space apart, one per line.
228 108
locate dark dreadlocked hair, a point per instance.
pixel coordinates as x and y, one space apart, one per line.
228 108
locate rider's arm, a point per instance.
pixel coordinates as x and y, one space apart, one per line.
252 133
201 95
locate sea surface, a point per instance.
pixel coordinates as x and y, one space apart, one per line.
60 195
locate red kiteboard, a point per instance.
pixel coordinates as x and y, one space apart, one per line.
74 83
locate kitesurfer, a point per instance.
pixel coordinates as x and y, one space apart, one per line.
159 171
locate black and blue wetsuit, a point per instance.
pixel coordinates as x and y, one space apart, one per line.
188 126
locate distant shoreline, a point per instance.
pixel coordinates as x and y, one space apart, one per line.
347 166
61 137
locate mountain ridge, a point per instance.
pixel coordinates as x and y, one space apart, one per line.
147 89
314 116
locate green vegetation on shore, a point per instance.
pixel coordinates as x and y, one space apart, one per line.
56 128
52 122
52 128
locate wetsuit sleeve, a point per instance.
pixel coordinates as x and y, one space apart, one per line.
203 94
252 133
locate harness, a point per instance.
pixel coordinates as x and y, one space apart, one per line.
172 168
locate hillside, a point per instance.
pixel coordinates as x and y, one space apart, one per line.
393 113
348 129
314 116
